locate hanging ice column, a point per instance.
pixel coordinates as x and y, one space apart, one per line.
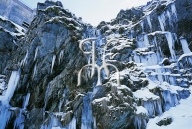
149 22
184 45
11 86
161 19
143 41
171 44
173 9
53 62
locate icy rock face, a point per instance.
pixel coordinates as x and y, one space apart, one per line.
153 62
50 59
158 54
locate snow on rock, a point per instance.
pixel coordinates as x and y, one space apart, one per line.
181 115
141 110
145 94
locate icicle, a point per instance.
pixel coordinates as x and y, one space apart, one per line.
60 104
167 99
25 104
159 76
161 19
36 51
18 123
72 124
61 55
24 61
173 9
53 62
54 122
34 71
150 106
146 40
142 41
11 86
171 44
159 107
142 27
169 16
159 52
149 22
152 59
184 45
137 58
94 123
45 99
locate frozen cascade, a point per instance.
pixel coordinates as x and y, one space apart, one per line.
171 44
53 62
161 19
184 45
5 112
149 22
87 117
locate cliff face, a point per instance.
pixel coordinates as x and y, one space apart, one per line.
151 52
